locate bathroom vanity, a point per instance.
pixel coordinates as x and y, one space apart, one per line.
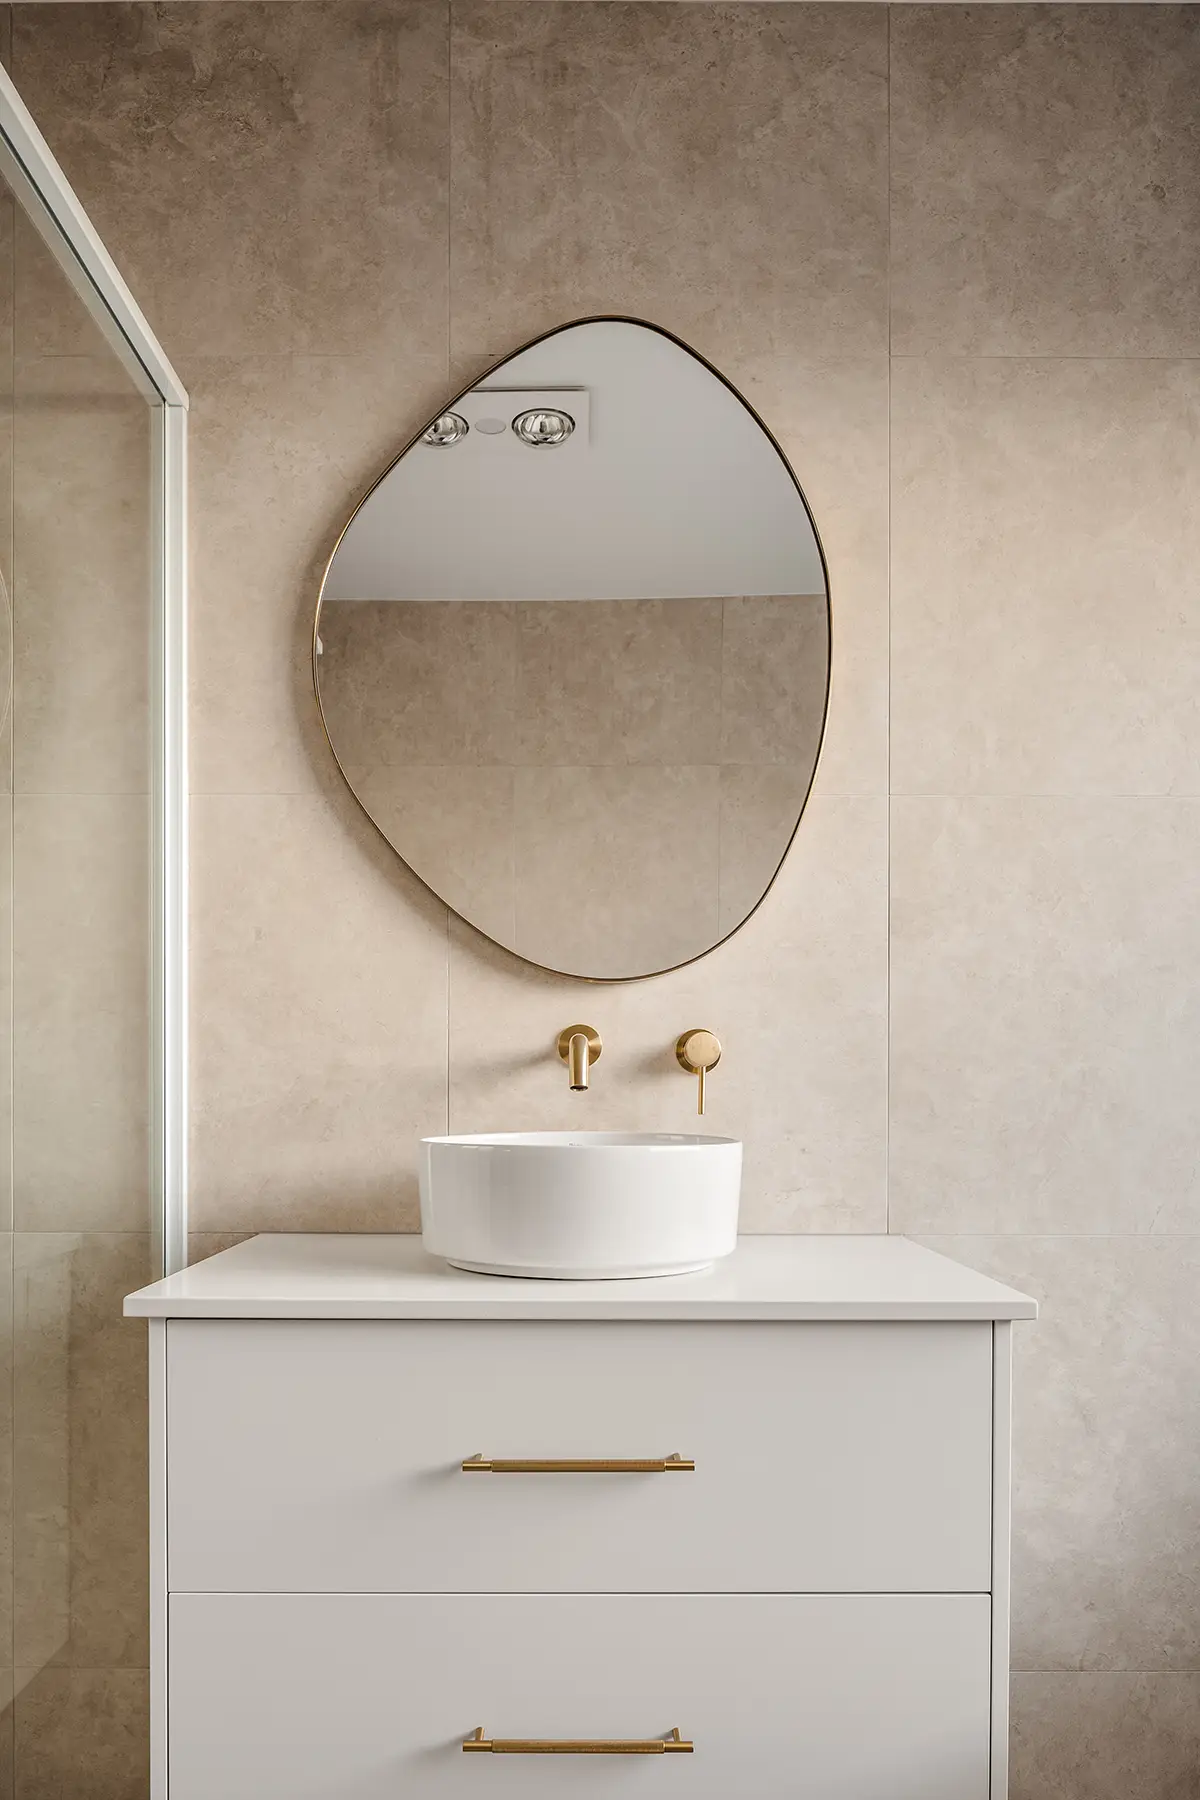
422 1532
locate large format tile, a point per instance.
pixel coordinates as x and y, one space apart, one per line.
719 169
415 682
831 418
82 531
281 450
774 660
268 178
454 828
1105 1737
6 1469
613 682
82 1732
6 1013
616 870
319 1008
79 1451
798 998
81 1050
1106 1459
1045 610
1044 1019
1044 165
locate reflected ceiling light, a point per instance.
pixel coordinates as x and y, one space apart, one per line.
543 427
446 430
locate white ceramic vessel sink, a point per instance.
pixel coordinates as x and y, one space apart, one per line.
580 1205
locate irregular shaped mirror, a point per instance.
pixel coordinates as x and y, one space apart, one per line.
572 653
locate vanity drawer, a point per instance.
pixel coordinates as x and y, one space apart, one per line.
327 1456
829 1697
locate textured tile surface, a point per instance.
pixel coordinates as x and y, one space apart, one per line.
605 196
319 1001
1106 1519
617 869
80 1451
1105 1737
1044 1018
273 177
82 532
81 1057
831 418
82 1732
802 1078
281 449
1045 609
1044 180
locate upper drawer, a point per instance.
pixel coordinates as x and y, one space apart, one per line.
828 1458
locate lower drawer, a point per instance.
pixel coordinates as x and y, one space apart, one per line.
368 1697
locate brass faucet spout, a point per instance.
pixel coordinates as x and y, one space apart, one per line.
577 1061
579 1047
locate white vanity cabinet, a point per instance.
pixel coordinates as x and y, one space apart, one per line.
804 1574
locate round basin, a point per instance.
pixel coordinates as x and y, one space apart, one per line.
580 1205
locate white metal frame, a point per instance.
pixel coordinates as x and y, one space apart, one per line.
29 166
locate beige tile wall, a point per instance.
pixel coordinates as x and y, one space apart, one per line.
329 205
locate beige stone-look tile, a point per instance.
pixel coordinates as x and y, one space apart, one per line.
6 1014
1045 611
1106 1459
81 1052
718 169
79 1451
831 419
617 681
798 998
319 1018
281 450
1105 1737
426 682
774 673
615 869
1044 165
82 1732
759 811
7 1686
1044 1017
82 530
268 178
454 828
6 1469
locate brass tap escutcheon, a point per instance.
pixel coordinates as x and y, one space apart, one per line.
698 1051
579 1046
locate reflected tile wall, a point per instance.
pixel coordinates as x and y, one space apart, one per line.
724 170
75 471
540 763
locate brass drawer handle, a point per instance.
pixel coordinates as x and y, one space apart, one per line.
574 1465
579 1746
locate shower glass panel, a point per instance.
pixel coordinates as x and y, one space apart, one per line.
88 1012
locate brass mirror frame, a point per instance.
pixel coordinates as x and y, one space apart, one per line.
448 406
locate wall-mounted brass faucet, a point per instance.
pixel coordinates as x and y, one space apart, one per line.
579 1046
698 1051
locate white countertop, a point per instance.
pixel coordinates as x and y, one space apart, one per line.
355 1276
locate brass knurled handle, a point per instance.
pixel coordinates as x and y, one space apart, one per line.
579 1746
577 1465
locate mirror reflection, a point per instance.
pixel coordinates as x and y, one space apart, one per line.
572 653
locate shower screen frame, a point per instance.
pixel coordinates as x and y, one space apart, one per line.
50 204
